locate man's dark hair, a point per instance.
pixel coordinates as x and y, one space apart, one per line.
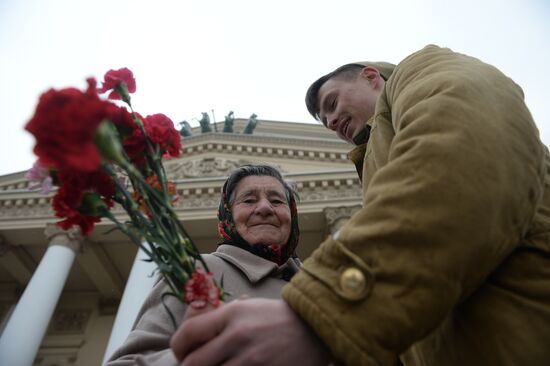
346 72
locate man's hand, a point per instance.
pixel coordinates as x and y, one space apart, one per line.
247 332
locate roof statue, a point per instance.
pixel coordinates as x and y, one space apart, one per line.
228 124
205 123
251 124
185 129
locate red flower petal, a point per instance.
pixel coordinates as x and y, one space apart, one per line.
201 290
64 125
114 77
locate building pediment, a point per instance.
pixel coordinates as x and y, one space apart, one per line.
204 167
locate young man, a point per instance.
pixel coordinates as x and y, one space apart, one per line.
448 261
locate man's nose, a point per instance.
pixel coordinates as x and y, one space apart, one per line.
332 121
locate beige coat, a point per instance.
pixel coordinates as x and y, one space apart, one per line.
243 274
448 261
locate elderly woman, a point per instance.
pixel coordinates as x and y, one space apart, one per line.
258 222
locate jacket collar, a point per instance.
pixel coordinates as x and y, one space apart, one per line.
357 154
253 267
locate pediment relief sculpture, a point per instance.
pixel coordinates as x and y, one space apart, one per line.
206 167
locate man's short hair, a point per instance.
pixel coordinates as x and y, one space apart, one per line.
345 72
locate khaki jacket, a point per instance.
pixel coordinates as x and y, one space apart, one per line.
448 261
243 274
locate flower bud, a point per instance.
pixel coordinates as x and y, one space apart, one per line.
122 90
108 143
92 205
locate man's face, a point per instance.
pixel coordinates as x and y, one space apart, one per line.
346 105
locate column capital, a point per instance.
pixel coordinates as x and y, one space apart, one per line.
337 216
71 238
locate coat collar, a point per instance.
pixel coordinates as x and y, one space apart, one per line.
253 267
357 155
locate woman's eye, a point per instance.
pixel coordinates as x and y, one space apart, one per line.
333 104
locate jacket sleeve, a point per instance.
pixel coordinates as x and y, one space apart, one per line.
148 343
459 188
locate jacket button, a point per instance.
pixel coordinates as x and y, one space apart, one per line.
353 283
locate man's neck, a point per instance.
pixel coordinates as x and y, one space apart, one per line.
362 137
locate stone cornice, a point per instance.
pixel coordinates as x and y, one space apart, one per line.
268 139
266 147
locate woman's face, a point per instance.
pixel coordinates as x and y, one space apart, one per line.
260 210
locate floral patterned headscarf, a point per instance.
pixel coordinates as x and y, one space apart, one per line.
226 225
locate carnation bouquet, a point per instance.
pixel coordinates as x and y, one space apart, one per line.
100 153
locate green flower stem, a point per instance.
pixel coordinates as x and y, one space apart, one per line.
174 283
129 233
167 242
158 235
138 220
122 90
144 192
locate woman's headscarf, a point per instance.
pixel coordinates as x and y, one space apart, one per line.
226 225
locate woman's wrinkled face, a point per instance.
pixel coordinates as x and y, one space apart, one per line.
260 210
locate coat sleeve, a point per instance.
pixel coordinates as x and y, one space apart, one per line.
148 343
459 188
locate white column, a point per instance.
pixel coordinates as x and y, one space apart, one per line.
21 339
137 288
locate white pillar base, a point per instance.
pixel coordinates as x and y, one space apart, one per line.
137 288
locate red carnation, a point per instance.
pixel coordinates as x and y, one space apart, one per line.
134 145
161 131
68 200
64 125
200 290
123 121
64 209
113 78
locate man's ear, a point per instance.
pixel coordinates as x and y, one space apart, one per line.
372 75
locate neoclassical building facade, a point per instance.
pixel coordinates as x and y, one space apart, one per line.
63 292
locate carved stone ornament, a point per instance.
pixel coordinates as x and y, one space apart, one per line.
69 321
207 167
337 216
71 238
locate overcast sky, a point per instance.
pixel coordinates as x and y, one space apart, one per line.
249 56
